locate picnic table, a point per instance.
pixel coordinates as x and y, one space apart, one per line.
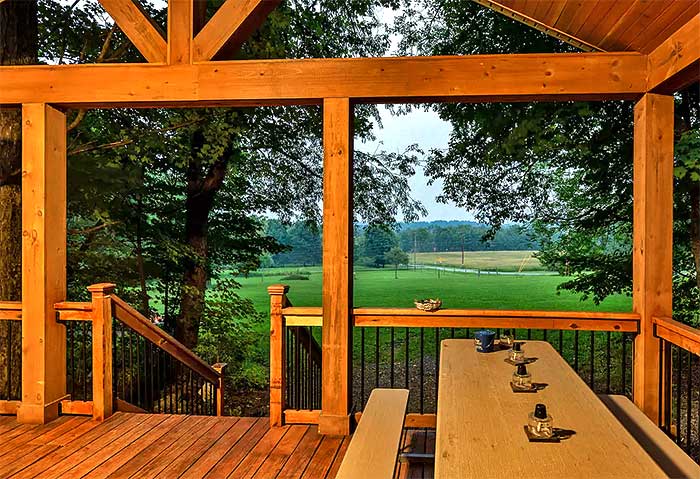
480 421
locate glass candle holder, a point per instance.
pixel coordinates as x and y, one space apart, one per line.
522 378
540 423
506 337
516 353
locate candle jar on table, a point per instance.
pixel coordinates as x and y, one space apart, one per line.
516 353
540 423
522 379
506 338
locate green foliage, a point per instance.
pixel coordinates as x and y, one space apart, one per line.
296 277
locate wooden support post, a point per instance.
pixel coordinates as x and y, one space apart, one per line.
337 266
221 369
43 262
180 31
102 395
653 239
278 361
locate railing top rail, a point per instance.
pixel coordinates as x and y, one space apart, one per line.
11 310
682 335
139 323
499 313
73 306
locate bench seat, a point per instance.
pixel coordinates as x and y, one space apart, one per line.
666 453
375 444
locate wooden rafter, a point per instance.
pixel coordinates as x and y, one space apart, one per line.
231 25
676 62
538 25
181 15
488 78
138 26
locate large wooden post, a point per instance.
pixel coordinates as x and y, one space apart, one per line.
181 15
278 361
43 262
102 394
653 239
337 266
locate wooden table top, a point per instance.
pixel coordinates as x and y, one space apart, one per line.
480 421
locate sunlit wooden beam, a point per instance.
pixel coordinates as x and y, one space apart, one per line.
231 25
181 15
486 78
676 62
138 26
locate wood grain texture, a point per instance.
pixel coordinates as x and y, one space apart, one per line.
375 443
181 16
652 240
278 350
102 312
480 421
43 261
138 26
679 334
469 78
227 26
667 454
337 260
676 62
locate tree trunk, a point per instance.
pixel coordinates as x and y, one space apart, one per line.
201 190
18 46
695 228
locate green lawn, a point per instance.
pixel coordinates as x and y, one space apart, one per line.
377 287
485 260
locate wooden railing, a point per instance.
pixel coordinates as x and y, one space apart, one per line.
398 347
10 356
679 366
117 359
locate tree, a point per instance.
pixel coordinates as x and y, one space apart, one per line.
562 168
191 186
378 241
18 46
396 256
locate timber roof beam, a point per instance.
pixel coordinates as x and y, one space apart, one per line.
139 28
676 62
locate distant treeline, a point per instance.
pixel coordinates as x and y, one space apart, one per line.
372 243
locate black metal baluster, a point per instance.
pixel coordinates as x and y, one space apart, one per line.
529 334
607 362
297 368
576 335
677 382
71 344
688 404
85 369
624 365
437 364
452 333
406 359
544 335
592 359
422 369
561 341
362 367
376 357
131 366
663 384
308 371
391 358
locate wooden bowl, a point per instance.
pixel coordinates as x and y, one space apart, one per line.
428 305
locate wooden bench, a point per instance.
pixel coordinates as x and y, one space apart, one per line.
375 444
661 448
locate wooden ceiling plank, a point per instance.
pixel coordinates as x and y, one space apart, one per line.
490 78
139 28
606 11
230 23
615 19
639 15
519 15
687 14
676 62
180 31
575 14
641 21
554 13
673 11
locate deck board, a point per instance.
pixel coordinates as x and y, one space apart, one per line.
190 447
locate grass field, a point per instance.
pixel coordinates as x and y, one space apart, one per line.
377 287
484 260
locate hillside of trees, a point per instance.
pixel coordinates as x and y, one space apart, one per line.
304 246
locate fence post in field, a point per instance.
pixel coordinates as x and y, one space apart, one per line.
277 353
102 406
221 369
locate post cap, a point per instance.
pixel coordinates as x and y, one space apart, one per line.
102 288
277 289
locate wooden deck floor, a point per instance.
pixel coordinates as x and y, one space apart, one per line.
145 446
